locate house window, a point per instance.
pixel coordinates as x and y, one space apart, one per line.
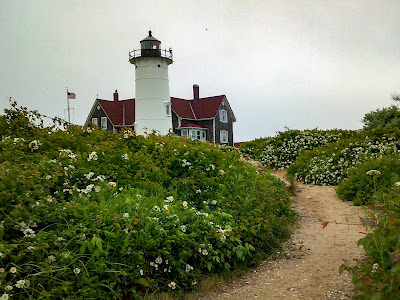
223 136
95 122
103 123
223 116
168 108
184 132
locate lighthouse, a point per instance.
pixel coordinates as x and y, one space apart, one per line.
152 96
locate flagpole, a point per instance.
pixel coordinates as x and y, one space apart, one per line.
69 119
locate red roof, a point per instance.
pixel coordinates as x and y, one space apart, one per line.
182 108
188 125
203 108
115 111
207 107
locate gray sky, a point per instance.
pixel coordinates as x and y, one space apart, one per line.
300 64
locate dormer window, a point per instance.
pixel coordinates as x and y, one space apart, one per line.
223 116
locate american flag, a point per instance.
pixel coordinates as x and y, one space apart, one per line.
71 95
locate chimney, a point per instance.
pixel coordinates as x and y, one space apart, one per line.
195 92
116 96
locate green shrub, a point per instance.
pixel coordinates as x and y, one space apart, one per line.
331 163
86 213
385 117
377 276
363 183
281 151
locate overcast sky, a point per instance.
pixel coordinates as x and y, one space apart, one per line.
300 64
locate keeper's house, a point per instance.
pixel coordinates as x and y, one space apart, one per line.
205 119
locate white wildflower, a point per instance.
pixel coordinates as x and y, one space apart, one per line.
172 285
112 184
126 215
5 296
77 270
158 260
373 172
89 175
20 283
375 267
183 228
169 199
34 145
92 156
188 268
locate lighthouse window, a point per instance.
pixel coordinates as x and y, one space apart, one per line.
168 108
103 123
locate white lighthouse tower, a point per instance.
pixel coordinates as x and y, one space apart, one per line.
152 98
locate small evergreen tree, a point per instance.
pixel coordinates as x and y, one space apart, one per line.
385 117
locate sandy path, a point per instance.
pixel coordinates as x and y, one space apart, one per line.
311 270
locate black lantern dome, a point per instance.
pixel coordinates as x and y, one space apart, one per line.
150 46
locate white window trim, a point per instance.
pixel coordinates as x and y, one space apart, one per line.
223 116
184 132
95 121
104 124
195 134
223 137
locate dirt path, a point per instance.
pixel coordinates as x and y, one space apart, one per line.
311 269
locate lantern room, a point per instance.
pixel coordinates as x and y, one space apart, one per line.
150 46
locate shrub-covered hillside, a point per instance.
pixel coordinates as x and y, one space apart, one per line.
282 150
330 164
89 214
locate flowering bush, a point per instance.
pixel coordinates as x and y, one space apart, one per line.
372 178
87 213
281 151
331 163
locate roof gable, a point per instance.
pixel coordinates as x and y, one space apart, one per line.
120 112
